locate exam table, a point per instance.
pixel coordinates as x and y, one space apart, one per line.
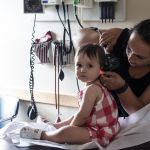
8 145
133 135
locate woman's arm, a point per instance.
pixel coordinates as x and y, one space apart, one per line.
128 99
105 37
133 103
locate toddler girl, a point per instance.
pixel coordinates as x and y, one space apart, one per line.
97 117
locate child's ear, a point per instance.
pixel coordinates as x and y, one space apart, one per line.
101 72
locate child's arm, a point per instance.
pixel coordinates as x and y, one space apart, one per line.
90 97
63 123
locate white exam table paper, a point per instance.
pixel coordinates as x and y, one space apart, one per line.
135 130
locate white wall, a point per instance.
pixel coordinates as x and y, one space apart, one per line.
15 39
15 42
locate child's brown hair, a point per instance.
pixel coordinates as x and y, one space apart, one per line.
93 51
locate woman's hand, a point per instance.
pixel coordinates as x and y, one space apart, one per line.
112 80
109 38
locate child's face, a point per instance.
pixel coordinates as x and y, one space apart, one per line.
87 70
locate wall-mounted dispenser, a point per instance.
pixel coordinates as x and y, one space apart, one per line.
107 9
95 13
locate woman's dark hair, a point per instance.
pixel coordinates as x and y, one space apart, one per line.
93 51
143 30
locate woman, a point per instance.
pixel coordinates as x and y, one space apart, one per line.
132 79
136 71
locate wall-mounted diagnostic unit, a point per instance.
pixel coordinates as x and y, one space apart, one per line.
89 10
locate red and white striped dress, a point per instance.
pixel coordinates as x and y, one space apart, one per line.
103 122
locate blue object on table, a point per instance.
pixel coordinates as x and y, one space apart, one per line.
9 107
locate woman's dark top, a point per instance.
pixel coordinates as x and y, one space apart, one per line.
138 86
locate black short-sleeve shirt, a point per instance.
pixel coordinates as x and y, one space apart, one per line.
138 86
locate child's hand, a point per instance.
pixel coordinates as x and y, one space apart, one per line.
112 80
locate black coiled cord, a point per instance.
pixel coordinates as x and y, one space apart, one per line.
32 109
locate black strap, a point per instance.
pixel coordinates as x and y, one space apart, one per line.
55 64
75 7
68 31
57 8
122 89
